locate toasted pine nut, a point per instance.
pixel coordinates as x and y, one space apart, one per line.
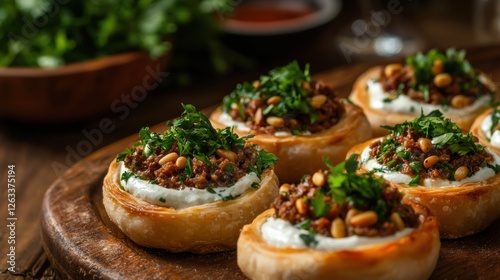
351 213
425 144
390 69
461 173
337 229
275 121
318 100
256 84
398 222
168 158
442 80
460 101
274 100
285 188
301 206
364 219
306 85
181 162
475 139
437 67
230 155
430 161
318 179
258 116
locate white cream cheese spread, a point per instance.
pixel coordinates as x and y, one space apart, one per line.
396 177
404 104
281 233
485 128
186 197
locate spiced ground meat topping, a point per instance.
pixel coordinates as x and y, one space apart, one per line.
433 147
285 100
220 172
435 78
339 203
193 154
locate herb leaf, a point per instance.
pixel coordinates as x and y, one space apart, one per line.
285 82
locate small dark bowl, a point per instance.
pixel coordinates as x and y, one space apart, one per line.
268 28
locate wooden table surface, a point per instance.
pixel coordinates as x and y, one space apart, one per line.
41 153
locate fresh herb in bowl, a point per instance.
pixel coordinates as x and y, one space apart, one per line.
47 33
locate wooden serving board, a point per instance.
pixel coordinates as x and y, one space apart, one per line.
82 243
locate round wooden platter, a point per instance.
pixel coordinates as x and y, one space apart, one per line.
82 243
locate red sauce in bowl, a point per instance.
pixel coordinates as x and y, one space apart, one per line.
269 12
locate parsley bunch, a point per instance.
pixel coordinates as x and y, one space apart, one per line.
196 138
362 191
286 82
442 132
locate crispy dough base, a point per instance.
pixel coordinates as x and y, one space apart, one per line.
476 130
207 228
460 211
360 97
299 155
411 257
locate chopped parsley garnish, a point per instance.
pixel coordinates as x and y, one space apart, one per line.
309 239
454 64
126 175
163 200
442 131
285 82
495 117
430 146
363 191
192 136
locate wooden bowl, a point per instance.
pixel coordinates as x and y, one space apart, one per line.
78 91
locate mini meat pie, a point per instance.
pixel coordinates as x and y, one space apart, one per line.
435 164
486 128
191 188
336 224
436 80
298 119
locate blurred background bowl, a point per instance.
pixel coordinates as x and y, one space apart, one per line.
74 92
267 28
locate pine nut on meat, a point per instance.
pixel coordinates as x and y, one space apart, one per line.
318 179
230 155
301 206
318 100
351 213
442 80
181 162
437 67
425 144
274 100
430 161
364 219
461 173
398 222
275 121
390 69
337 229
168 158
284 188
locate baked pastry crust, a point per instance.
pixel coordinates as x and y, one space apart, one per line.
410 257
477 131
303 154
360 97
200 229
460 210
